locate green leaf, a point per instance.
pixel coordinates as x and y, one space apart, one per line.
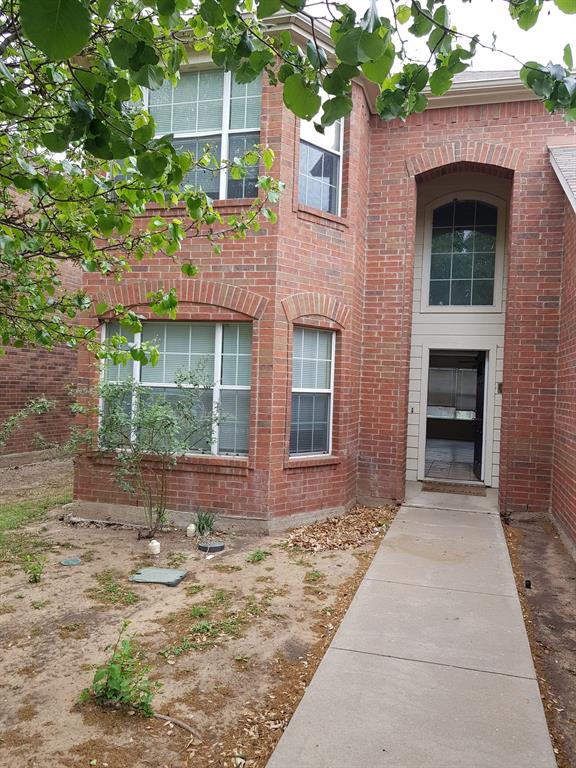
122 89
60 28
568 60
403 14
166 7
268 8
152 164
301 98
121 48
377 71
335 108
189 270
101 307
55 141
566 6
358 46
440 81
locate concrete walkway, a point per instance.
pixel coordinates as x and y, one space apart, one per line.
431 666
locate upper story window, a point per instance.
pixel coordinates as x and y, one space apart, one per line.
207 108
320 177
463 254
312 391
220 352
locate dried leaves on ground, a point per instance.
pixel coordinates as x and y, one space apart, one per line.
347 531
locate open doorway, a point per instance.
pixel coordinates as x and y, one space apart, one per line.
455 415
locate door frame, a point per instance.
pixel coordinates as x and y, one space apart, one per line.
472 345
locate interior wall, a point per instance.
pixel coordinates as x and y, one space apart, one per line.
453 329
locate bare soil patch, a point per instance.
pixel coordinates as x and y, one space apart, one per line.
234 645
31 481
539 557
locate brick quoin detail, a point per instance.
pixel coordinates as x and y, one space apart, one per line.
304 304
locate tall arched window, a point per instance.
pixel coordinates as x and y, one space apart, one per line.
463 254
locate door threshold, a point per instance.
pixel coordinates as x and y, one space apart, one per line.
449 481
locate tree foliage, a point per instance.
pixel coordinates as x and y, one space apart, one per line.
80 159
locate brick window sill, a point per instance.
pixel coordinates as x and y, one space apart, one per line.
218 465
314 214
312 461
227 206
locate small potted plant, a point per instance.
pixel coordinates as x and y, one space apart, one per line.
207 541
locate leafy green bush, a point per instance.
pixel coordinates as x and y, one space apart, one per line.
124 680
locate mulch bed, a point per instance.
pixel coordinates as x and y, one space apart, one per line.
467 490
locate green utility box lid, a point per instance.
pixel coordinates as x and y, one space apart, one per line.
169 576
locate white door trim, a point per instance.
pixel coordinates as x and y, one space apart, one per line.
475 345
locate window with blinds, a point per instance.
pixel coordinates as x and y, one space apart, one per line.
312 390
219 352
209 111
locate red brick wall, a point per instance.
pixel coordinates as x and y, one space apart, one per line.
32 372
303 259
353 273
564 476
512 136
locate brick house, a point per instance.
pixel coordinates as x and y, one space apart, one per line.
412 313
31 372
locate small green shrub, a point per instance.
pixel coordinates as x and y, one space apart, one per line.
205 523
33 567
124 680
258 555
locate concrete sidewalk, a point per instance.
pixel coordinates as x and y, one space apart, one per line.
431 666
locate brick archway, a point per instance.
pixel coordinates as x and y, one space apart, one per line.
207 292
304 304
483 153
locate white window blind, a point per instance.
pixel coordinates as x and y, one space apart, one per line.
312 391
220 353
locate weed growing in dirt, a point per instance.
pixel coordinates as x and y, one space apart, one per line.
4 609
37 604
200 611
222 568
193 589
313 577
220 596
33 567
124 680
176 559
110 590
258 556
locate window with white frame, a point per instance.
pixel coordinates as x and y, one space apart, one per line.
209 110
463 254
220 352
320 173
312 391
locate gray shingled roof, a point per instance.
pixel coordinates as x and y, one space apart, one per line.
473 75
563 160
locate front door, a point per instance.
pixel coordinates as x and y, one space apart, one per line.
479 419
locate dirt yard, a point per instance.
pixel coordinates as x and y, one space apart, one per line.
548 603
234 645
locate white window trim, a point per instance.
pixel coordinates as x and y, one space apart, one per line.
217 386
223 133
308 391
496 306
339 152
